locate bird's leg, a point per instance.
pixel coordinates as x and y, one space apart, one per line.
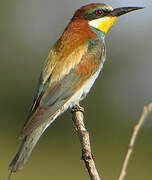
77 107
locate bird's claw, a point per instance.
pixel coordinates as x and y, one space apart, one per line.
77 107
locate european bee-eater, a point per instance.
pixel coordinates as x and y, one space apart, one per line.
71 68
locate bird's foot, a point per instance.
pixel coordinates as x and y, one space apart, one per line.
77 107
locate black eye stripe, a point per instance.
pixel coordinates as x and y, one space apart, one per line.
96 14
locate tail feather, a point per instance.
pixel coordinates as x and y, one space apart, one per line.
30 140
24 152
26 148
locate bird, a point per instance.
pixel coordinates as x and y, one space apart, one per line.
70 70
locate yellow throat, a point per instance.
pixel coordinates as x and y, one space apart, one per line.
103 24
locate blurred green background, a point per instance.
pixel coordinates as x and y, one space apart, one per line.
28 28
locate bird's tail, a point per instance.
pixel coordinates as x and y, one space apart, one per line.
25 149
30 140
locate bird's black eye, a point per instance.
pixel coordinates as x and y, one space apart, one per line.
99 12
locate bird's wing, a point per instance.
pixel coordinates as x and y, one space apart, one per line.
60 79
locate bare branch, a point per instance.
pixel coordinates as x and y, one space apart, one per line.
146 111
87 157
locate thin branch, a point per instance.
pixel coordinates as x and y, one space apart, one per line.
87 157
146 111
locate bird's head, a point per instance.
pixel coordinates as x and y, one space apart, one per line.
101 16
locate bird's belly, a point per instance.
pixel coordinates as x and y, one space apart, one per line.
81 94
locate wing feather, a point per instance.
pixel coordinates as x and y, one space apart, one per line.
64 78
53 83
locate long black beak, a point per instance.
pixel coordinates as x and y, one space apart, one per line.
123 10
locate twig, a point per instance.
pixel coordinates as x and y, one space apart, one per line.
146 111
87 157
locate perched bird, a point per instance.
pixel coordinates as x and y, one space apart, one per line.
71 68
